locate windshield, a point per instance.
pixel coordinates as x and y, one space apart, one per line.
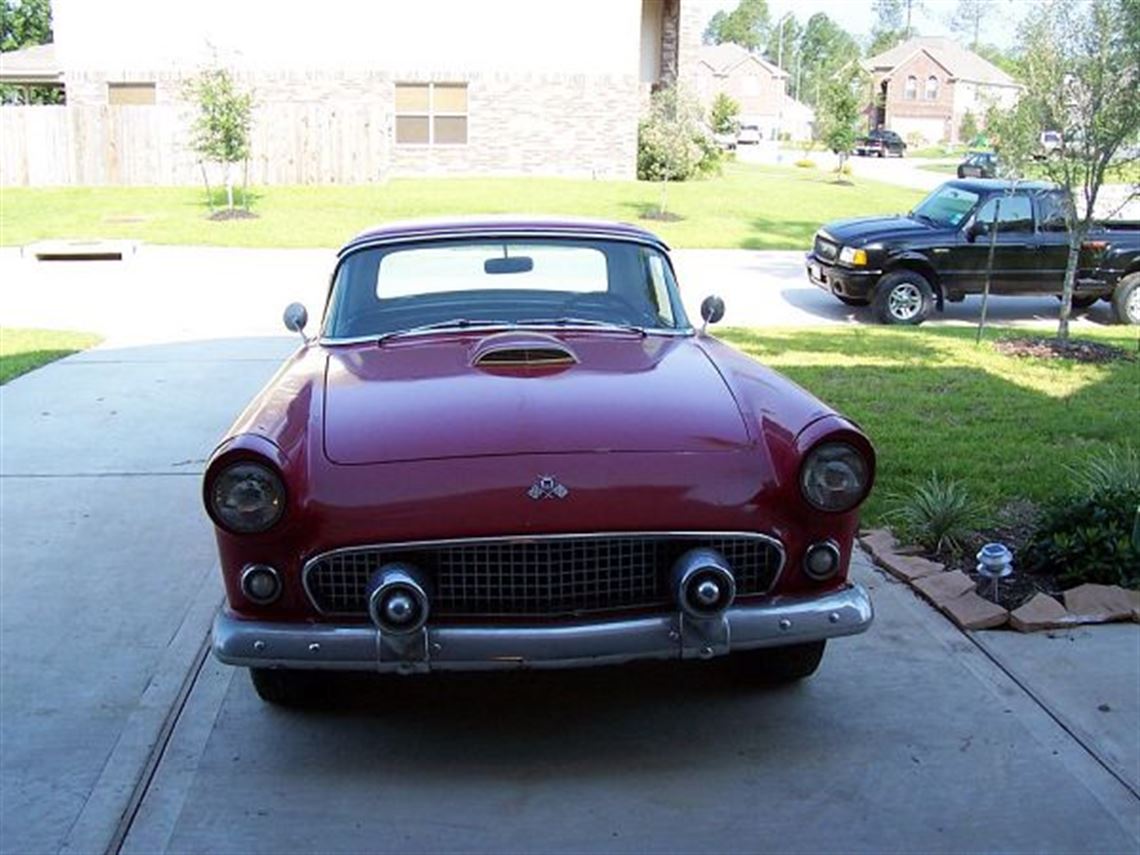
483 281
946 206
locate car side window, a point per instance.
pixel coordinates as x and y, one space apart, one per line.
1016 214
657 287
1051 212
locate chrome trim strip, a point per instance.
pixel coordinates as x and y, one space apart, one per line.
782 621
682 332
527 538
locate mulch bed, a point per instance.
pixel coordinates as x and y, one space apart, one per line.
1014 526
235 214
1078 350
662 216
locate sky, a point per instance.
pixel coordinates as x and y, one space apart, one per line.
929 17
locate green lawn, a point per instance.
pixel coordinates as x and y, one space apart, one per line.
932 401
22 350
750 207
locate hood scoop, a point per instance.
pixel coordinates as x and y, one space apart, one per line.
515 350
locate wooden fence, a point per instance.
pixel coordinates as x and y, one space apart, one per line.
302 143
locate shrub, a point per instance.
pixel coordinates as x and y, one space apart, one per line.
805 163
937 514
1088 534
671 143
1088 539
723 113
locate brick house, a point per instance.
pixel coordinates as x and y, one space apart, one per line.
924 87
359 92
757 85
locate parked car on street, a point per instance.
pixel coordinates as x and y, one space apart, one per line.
508 447
880 143
1048 144
905 266
749 134
978 164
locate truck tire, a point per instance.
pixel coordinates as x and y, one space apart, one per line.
776 665
1126 300
287 687
903 297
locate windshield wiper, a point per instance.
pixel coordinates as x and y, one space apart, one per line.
453 323
583 322
926 218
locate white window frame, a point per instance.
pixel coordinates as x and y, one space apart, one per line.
928 93
910 93
431 115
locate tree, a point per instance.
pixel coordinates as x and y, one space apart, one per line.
967 19
968 129
887 30
24 23
746 25
221 130
671 142
1007 61
723 113
838 113
825 48
1082 72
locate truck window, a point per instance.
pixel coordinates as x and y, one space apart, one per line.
1051 212
1016 213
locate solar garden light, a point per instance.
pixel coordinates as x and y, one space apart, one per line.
995 562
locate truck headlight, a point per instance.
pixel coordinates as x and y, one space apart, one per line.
834 477
852 256
246 498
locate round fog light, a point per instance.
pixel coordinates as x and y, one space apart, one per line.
260 583
821 561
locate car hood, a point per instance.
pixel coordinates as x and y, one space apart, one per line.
436 397
858 231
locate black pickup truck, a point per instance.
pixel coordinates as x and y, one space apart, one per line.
905 266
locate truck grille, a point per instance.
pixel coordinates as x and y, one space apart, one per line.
825 249
549 576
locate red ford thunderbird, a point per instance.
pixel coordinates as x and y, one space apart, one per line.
508 447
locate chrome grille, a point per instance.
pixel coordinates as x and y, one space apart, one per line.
553 575
825 249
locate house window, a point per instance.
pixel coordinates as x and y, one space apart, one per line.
911 90
431 113
931 88
130 94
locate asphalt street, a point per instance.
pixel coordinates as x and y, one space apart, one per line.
118 734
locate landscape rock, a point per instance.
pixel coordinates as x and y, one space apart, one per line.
1090 603
908 568
940 588
970 611
880 542
1040 612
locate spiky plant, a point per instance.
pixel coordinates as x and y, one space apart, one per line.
936 513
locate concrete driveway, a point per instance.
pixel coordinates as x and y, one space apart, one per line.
117 734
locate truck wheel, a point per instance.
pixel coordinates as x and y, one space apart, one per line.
775 665
285 687
903 297
853 301
1126 300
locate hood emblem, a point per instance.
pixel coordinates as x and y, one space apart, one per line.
547 487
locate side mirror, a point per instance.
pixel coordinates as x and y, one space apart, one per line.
712 309
295 318
975 230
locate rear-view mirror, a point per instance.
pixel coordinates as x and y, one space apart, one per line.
511 264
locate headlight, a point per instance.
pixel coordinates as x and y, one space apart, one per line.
834 477
247 498
852 256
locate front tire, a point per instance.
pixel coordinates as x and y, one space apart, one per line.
780 665
285 687
903 297
1126 300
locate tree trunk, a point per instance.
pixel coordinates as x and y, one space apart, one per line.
989 270
664 196
229 185
245 186
206 181
1076 238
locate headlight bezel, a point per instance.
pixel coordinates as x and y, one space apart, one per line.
838 451
254 467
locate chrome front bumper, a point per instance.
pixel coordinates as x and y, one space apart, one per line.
780 621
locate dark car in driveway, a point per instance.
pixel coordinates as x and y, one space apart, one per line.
906 265
880 143
508 447
978 164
